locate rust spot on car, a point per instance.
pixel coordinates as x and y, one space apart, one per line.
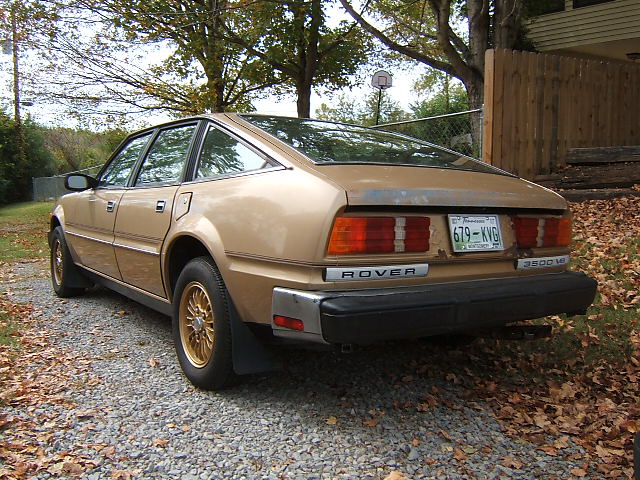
511 251
442 254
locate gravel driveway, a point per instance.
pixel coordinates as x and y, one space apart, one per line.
390 408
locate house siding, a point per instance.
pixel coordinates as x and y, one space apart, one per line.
617 20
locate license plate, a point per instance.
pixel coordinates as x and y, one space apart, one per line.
475 233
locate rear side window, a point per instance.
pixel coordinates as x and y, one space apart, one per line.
167 156
222 155
118 171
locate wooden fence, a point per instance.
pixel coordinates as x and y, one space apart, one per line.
537 106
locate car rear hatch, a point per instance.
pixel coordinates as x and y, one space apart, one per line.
479 225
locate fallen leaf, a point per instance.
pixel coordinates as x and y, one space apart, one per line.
458 454
159 442
511 462
395 476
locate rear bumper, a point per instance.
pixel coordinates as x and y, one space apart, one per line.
365 316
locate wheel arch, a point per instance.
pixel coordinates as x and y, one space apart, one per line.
248 353
181 250
56 219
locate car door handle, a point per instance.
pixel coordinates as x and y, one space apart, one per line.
160 204
111 205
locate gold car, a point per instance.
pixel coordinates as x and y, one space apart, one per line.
252 229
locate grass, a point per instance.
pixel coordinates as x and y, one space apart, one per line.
23 231
8 329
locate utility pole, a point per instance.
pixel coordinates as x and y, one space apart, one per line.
20 140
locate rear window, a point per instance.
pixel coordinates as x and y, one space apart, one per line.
335 143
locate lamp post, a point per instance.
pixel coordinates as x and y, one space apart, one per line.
381 80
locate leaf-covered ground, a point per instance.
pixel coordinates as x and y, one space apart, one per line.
35 377
583 384
580 387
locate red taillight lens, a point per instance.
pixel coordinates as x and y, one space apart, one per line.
557 232
416 234
542 232
526 231
288 322
353 235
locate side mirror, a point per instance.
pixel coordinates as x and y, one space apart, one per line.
77 182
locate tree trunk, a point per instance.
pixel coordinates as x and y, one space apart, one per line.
20 139
308 54
507 23
303 91
475 91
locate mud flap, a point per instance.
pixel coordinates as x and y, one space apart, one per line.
249 354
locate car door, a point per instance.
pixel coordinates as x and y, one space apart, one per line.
90 215
144 215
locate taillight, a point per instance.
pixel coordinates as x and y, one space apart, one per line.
353 235
288 322
542 232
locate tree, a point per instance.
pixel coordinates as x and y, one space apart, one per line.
76 149
450 131
429 32
15 176
292 38
184 66
350 110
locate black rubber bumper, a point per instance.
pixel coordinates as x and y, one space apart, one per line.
371 315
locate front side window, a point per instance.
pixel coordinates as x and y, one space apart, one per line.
223 155
167 156
118 171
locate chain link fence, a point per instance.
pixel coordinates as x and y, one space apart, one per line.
460 132
46 189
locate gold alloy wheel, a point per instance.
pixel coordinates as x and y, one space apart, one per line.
56 260
196 324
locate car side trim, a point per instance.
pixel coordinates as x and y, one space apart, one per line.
118 245
264 258
86 237
134 249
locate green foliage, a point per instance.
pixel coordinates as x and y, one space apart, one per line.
452 132
348 109
294 40
77 149
16 174
447 99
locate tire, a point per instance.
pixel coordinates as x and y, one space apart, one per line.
202 326
63 270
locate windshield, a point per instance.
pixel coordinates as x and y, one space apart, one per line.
336 143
